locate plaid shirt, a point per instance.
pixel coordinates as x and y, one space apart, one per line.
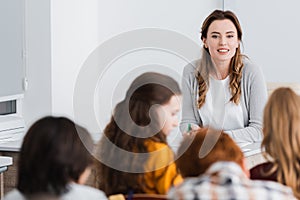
226 180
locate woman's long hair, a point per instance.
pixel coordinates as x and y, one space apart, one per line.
281 128
134 121
236 63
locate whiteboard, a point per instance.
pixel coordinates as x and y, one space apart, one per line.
11 47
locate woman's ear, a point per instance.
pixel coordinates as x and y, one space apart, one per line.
238 43
204 43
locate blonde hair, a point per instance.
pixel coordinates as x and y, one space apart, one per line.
236 63
281 128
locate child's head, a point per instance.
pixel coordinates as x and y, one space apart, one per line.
203 148
281 128
150 106
55 151
281 124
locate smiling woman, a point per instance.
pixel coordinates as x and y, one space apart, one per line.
224 89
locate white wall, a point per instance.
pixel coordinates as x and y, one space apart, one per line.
37 98
11 40
271 36
28 47
78 27
59 47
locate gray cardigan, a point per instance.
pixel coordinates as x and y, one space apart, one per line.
253 99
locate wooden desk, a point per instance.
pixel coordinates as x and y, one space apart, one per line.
8 179
4 163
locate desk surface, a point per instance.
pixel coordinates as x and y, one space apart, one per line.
5 161
11 145
248 150
251 149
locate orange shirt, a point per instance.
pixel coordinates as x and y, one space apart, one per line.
161 172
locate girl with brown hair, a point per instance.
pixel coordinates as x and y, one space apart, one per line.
133 153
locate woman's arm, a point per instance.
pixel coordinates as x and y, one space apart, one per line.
190 113
255 97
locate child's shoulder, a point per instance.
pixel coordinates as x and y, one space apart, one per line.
154 145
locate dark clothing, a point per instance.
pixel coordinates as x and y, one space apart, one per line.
261 172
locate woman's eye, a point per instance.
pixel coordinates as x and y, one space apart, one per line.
230 36
214 36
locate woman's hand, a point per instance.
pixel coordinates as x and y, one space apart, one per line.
191 128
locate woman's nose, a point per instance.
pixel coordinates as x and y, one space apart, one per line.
222 41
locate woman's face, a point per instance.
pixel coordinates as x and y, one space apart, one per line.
222 40
170 114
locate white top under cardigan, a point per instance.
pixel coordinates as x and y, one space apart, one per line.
252 101
218 111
